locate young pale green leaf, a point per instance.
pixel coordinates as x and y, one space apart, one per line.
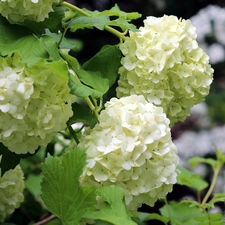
61 190
82 114
114 210
82 22
193 162
179 213
217 197
192 203
106 62
204 219
220 156
59 67
186 177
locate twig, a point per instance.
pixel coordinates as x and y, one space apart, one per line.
45 220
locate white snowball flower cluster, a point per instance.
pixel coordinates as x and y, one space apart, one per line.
11 191
131 147
21 10
34 103
164 63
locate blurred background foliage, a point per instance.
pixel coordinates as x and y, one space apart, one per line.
89 42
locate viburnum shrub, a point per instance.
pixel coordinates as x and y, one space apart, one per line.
101 156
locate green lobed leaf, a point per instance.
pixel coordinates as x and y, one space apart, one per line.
123 24
94 80
50 46
82 114
73 63
61 190
186 177
117 17
15 38
114 210
59 68
115 11
81 22
76 87
106 62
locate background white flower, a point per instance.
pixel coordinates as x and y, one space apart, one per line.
11 191
210 29
34 103
131 147
164 63
20 10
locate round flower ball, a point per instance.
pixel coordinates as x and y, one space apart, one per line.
131 147
21 10
34 104
163 62
11 191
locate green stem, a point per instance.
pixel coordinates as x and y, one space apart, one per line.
73 133
107 27
91 106
61 38
209 192
115 32
75 8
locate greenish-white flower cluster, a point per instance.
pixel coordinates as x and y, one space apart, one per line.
21 10
131 147
163 62
11 191
34 103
